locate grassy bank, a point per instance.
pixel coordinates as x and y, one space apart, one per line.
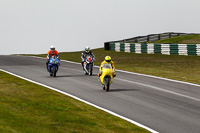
26 107
188 39
184 68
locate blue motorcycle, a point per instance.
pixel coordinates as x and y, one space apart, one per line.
53 65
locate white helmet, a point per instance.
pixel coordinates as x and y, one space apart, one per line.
87 49
52 47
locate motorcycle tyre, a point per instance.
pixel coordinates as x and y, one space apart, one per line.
54 71
107 84
50 73
90 69
104 87
85 73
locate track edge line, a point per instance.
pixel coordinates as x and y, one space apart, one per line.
79 99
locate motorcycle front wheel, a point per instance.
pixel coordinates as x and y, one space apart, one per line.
107 84
54 71
90 69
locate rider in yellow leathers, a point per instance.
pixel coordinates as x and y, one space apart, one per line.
107 61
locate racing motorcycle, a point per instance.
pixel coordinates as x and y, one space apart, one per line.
88 65
106 77
53 65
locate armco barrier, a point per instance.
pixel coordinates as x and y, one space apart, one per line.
154 48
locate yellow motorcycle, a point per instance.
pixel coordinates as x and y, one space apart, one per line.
106 77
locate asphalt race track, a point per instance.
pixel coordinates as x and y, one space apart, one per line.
164 106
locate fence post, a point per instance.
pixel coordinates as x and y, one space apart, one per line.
148 38
158 36
136 39
170 35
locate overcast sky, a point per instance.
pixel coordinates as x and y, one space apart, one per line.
32 26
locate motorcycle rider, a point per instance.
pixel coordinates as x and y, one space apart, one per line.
50 53
107 61
85 53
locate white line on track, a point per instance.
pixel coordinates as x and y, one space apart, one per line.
98 107
146 85
172 80
150 86
160 89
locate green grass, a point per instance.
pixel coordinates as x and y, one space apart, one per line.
184 68
187 39
26 107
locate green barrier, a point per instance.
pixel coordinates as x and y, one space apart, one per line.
143 48
157 48
112 46
191 49
122 47
132 47
173 49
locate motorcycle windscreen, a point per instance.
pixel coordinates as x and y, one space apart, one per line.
107 66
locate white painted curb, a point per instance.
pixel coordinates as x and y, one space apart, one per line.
98 107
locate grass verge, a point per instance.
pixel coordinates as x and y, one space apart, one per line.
27 107
183 68
187 39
